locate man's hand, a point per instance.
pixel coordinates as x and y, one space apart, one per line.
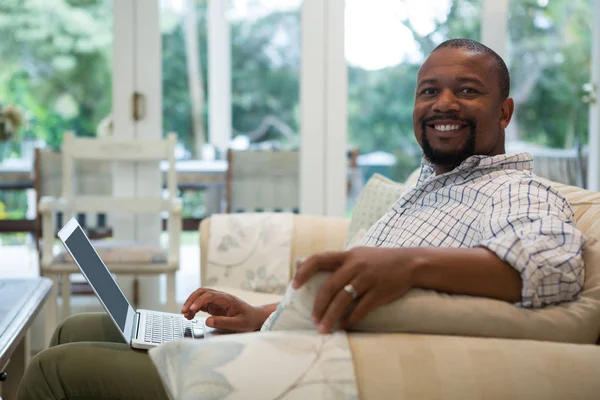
378 275
227 312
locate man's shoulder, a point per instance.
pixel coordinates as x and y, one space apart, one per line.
520 184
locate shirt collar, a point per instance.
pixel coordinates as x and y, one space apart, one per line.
515 161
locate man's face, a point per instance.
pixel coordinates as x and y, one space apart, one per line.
458 107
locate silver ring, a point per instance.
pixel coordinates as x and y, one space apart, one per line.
352 291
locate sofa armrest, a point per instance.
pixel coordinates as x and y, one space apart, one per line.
311 235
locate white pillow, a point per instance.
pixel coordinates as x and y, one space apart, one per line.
379 194
424 311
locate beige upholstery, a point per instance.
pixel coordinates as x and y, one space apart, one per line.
405 366
411 366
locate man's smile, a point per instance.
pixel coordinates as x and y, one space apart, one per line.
447 128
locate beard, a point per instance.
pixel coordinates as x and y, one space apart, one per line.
449 159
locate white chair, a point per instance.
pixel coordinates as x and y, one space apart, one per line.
121 258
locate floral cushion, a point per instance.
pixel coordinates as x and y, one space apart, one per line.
249 251
249 366
115 252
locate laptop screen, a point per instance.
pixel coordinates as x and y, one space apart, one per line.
98 276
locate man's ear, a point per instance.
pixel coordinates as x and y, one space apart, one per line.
508 107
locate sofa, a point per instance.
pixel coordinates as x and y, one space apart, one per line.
458 348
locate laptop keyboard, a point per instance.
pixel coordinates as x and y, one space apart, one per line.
162 328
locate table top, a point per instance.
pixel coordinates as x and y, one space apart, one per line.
20 301
16 171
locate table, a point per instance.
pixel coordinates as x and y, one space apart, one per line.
194 175
20 302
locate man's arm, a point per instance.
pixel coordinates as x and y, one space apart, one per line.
469 271
529 225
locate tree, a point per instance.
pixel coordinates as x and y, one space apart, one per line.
56 64
550 60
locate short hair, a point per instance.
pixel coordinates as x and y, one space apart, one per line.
501 69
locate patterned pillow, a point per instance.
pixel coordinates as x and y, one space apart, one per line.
374 200
269 365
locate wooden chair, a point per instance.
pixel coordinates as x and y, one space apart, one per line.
93 178
263 180
567 166
121 258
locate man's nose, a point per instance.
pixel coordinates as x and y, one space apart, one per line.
446 102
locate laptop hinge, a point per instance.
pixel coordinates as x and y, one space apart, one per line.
136 326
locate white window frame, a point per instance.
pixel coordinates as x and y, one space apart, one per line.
137 68
593 180
323 99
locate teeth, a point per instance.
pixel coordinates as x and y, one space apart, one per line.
445 128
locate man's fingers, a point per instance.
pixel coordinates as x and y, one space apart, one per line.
330 289
318 262
366 303
191 298
203 301
335 310
234 324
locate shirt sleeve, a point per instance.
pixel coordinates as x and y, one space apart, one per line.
530 226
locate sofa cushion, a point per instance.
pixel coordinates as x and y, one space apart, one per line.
425 311
117 252
249 251
458 368
309 235
378 195
273 365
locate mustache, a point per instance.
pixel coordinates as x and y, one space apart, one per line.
440 117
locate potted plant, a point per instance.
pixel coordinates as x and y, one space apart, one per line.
11 119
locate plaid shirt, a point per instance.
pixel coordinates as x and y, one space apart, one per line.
498 203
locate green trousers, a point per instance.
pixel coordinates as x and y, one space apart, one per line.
88 359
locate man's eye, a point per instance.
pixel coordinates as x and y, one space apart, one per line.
429 91
469 91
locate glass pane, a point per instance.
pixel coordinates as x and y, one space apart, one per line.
265 72
549 57
386 42
55 76
265 40
265 64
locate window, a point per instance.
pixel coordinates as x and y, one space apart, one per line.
549 57
265 65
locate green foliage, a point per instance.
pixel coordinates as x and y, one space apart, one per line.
56 64
550 60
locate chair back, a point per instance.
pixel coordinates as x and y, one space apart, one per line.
566 166
79 152
263 180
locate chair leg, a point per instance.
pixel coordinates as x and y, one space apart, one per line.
50 310
171 302
66 295
136 291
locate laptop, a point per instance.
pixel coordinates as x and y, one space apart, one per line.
141 329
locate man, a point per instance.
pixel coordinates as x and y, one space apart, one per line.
478 222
